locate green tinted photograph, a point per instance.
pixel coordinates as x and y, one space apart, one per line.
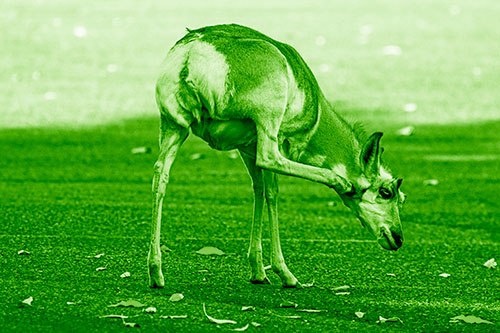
264 166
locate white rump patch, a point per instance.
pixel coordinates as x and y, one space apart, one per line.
208 70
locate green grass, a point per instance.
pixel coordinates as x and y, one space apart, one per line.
69 194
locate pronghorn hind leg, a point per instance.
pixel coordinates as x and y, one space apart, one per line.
171 138
277 261
258 275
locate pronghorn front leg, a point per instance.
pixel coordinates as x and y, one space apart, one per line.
258 275
170 142
277 261
270 158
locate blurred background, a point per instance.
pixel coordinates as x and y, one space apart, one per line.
75 63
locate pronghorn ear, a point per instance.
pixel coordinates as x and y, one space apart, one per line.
398 183
370 154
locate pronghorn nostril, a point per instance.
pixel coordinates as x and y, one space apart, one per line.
397 238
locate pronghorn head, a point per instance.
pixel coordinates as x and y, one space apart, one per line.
375 197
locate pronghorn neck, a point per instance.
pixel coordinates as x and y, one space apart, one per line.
335 145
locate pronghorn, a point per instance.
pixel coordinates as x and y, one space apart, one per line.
236 88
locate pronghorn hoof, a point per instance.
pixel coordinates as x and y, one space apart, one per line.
157 284
156 279
294 284
265 281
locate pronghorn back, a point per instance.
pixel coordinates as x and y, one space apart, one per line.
220 74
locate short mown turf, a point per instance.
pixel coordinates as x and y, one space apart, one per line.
68 195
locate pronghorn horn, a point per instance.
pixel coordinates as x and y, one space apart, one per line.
398 183
370 155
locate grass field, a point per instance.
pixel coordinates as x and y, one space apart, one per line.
67 195
74 107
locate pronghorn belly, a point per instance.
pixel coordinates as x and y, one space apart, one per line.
226 134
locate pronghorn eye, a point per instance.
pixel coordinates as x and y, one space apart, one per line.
385 193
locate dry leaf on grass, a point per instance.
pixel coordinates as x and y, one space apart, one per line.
128 303
27 301
248 308
445 275
343 293
391 274
490 263
100 269
244 328
254 324
114 316
217 321
342 287
359 314
210 250
388 320
130 324
176 297
125 275
288 304
311 310
165 249
150 309
23 253
470 320
174 317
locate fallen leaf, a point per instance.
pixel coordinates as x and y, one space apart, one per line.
125 275
288 304
23 253
150 309
174 317
390 320
244 328
203 271
342 288
100 269
130 324
176 297
490 263
391 274
254 324
27 301
217 321
470 320
114 316
165 249
405 131
73 303
128 303
97 256
140 150
359 314
431 182
343 293
308 285
210 250
248 308
311 310
267 267
445 275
